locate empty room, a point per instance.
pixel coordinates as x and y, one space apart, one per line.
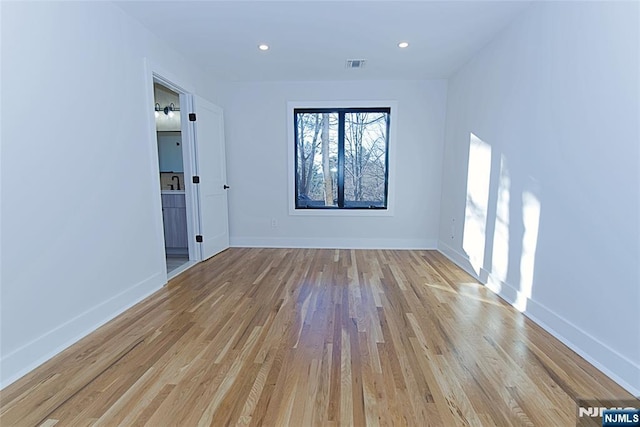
320 213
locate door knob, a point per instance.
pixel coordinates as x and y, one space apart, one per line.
225 186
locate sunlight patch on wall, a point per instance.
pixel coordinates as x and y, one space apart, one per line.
475 222
531 220
500 255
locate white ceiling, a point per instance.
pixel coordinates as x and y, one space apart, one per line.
311 40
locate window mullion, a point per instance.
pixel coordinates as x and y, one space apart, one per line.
341 159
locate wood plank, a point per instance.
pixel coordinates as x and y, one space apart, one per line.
313 337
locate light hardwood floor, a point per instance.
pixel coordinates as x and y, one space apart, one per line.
298 337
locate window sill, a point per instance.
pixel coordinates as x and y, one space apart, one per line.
341 212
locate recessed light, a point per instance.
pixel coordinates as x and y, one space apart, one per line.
403 45
263 46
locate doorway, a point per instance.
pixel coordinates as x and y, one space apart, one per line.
171 162
190 146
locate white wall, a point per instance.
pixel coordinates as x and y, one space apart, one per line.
81 232
555 97
257 141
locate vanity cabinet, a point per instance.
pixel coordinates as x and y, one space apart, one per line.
174 214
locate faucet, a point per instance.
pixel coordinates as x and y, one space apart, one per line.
176 177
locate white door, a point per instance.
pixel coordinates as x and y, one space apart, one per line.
211 168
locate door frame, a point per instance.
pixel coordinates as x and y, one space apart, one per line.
155 74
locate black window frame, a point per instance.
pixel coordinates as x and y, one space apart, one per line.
340 174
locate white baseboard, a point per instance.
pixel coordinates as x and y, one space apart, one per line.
332 243
613 364
616 366
31 355
457 258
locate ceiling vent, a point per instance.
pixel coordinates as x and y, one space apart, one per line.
355 63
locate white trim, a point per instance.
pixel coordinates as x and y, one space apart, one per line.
391 178
31 355
339 212
587 346
457 258
332 243
155 73
149 70
168 78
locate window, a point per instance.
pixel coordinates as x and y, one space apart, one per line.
341 158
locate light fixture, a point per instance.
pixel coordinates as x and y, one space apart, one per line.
263 47
168 110
403 45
